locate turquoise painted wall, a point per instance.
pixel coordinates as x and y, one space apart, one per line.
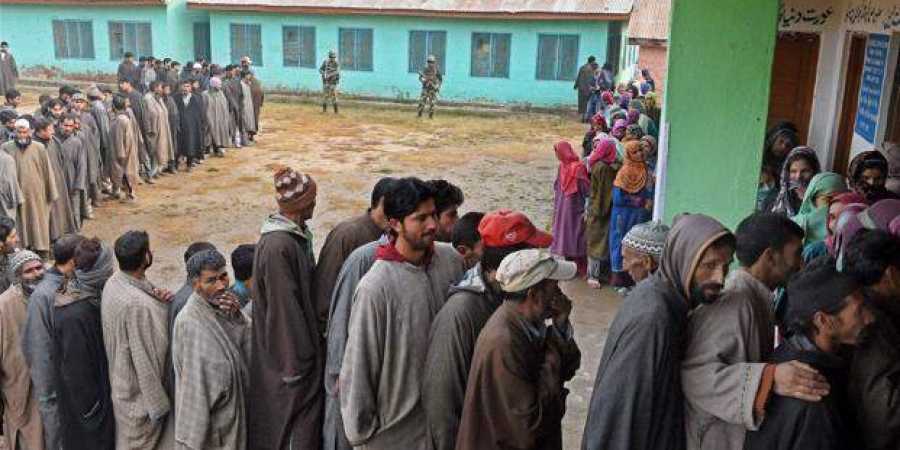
717 100
29 30
180 22
390 77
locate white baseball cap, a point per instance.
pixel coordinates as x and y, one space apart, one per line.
526 268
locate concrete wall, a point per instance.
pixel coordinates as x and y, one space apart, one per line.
29 31
715 139
390 78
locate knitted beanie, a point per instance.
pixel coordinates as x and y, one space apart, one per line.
647 237
295 191
19 259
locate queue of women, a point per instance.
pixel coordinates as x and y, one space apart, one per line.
603 194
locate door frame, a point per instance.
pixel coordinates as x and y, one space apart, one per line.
843 137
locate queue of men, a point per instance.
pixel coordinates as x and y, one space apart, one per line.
79 149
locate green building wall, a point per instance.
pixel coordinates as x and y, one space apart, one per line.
390 77
717 100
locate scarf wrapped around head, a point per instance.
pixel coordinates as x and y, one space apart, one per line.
690 236
632 116
880 215
618 129
813 219
604 151
89 283
638 105
634 131
872 159
607 97
18 260
633 175
783 202
624 100
650 150
571 169
894 226
835 238
598 122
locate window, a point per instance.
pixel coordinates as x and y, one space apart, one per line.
299 46
557 56
355 48
424 43
490 55
246 40
134 37
73 39
202 48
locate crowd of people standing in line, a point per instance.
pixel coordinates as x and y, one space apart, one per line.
76 150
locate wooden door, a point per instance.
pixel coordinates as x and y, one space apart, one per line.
849 104
893 125
794 80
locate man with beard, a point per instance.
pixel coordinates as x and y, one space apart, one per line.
221 124
62 214
128 71
211 355
174 126
826 314
156 129
85 405
135 103
285 395
457 326
89 133
65 94
235 95
101 116
395 302
134 316
22 426
53 110
515 396
343 239
248 117
10 192
124 140
637 401
726 377
191 119
7 125
75 158
873 259
37 343
8 243
9 71
447 200
37 186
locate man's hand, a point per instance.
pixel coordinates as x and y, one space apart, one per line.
228 302
561 308
798 380
163 295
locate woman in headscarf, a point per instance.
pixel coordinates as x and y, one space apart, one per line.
868 174
651 108
813 213
650 151
598 125
618 129
876 217
632 197
647 124
632 116
602 165
570 190
633 132
780 139
800 166
842 203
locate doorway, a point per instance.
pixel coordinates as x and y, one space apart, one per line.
793 81
847 119
893 124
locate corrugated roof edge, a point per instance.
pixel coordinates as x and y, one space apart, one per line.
87 2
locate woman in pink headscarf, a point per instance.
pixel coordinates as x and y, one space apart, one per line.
570 190
603 165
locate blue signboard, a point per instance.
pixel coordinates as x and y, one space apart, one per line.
870 86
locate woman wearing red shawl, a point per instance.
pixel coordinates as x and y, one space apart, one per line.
570 189
603 166
598 125
632 200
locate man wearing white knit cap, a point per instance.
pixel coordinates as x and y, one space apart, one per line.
515 396
642 249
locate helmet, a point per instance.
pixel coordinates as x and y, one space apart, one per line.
431 58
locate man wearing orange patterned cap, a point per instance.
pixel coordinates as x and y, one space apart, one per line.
456 327
286 389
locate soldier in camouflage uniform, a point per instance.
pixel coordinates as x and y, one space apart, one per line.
331 76
431 79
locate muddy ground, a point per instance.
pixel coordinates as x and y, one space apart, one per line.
499 162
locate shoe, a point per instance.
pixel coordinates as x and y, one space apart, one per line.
594 284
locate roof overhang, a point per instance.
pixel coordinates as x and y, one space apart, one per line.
86 2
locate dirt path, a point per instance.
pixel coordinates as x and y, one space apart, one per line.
498 162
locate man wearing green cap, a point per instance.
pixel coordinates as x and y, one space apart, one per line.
515 396
330 71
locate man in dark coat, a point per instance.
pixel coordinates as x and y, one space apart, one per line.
288 354
637 402
174 124
583 83
342 240
234 93
129 71
192 117
873 258
127 89
825 311
84 391
515 396
457 325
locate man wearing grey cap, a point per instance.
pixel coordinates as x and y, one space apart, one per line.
642 248
21 419
515 396
825 312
